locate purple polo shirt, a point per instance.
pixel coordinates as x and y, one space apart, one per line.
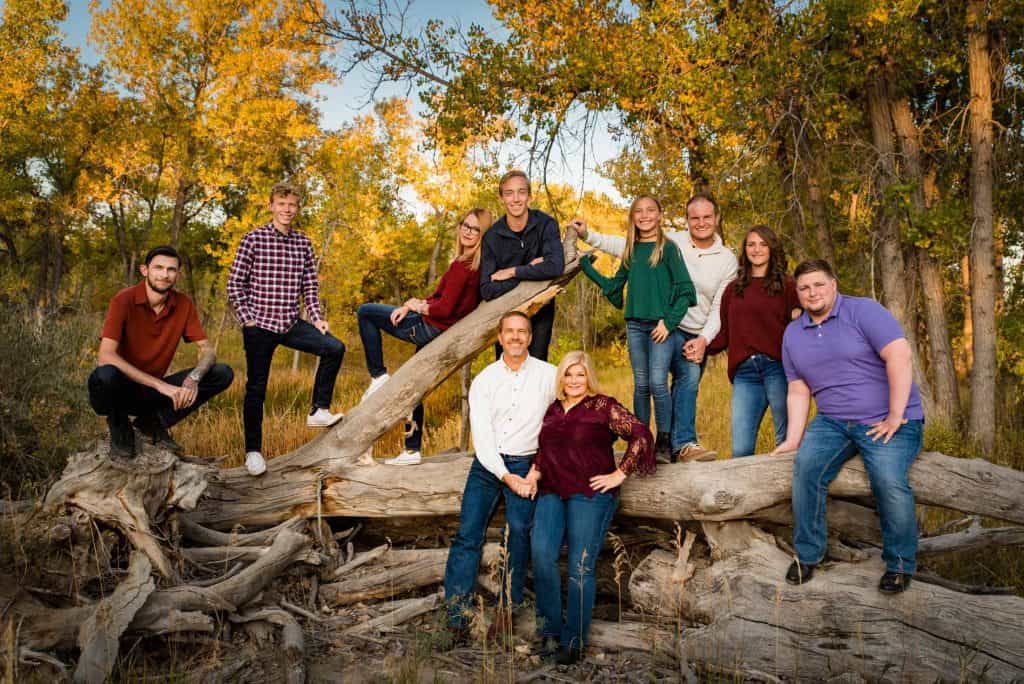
838 359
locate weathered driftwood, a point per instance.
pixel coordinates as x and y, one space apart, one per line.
738 611
207 537
130 496
718 490
176 609
406 612
99 637
394 573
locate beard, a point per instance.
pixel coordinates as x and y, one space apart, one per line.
157 288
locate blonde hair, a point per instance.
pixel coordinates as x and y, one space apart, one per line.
285 190
471 256
659 241
576 358
514 173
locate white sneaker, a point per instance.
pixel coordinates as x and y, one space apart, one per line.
405 458
323 418
375 384
254 463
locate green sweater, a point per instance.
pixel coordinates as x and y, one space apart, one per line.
659 293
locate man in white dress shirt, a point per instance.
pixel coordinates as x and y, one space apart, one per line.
507 403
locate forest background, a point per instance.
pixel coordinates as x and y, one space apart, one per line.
885 137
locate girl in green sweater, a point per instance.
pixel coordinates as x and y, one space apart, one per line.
658 291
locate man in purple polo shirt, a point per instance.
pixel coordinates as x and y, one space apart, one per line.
273 268
851 355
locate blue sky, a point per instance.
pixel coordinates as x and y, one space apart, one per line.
341 103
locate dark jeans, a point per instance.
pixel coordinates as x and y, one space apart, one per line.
112 393
582 521
479 501
542 323
375 319
259 352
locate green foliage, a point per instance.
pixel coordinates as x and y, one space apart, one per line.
44 413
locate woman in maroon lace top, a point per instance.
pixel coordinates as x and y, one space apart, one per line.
577 494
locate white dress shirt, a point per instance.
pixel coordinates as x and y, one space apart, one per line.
506 409
711 269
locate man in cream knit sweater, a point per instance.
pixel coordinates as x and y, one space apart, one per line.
712 266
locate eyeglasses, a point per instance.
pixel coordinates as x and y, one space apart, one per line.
472 229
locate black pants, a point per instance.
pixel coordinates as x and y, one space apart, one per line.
112 393
259 352
542 323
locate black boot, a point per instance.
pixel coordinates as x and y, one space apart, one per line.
153 428
663 447
122 436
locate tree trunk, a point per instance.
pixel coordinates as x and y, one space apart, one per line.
896 272
982 422
718 490
947 402
738 611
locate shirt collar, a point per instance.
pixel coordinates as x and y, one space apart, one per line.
805 318
275 232
139 297
527 362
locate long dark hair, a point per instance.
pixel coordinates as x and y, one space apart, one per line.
776 277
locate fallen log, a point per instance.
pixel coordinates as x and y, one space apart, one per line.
394 573
718 490
293 640
413 608
740 612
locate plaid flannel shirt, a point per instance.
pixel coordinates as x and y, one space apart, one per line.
270 271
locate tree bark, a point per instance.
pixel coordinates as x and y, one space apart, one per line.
740 612
897 273
946 402
982 421
718 490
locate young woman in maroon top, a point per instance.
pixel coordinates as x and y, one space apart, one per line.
578 485
756 308
421 320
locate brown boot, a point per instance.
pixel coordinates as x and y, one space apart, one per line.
695 452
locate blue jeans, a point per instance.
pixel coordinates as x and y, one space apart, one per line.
479 501
376 318
686 377
826 446
760 382
582 521
651 362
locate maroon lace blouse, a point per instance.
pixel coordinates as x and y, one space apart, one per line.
575 446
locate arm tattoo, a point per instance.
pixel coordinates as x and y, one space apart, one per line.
207 357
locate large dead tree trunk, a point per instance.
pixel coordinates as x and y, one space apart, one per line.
738 611
719 490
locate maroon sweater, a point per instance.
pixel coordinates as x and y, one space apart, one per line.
753 323
458 293
575 446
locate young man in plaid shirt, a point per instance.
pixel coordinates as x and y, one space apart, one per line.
273 267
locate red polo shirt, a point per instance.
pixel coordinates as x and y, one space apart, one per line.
148 340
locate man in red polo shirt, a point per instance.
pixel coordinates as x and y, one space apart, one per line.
140 335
